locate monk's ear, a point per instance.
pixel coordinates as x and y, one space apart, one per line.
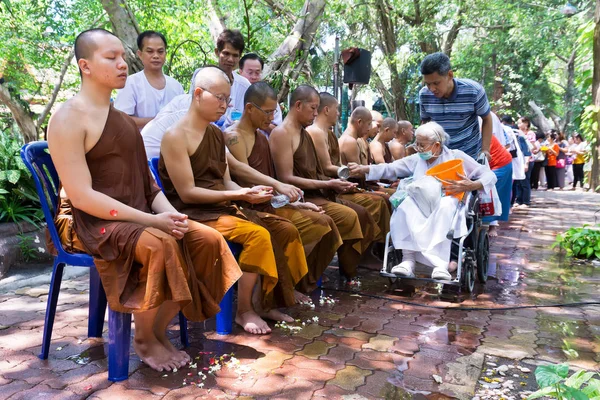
84 66
298 105
198 92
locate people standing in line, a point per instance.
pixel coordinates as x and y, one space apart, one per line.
579 151
149 90
521 190
501 166
561 160
539 158
551 149
455 104
570 158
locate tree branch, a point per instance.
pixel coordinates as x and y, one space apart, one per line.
216 23
20 114
56 89
280 10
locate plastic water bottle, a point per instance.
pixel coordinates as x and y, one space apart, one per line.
279 201
236 115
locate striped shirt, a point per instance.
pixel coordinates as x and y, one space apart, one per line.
458 113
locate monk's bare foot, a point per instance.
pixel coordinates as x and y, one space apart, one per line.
181 357
153 353
492 231
276 315
452 266
301 297
252 323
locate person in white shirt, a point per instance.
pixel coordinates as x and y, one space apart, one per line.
230 46
149 90
251 68
423 238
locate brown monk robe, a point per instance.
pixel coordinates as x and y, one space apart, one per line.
320 235
141 267
357 234
366 158
377 205
387 155
278 257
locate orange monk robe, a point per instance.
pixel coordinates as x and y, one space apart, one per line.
320 235
141 267
376 205
271 245
356 236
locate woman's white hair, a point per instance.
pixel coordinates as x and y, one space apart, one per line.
433 132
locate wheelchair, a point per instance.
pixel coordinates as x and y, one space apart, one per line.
471 251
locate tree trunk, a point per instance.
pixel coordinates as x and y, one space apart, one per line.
595 181
569 93
539 119
295 45
126 28
216 21
20 114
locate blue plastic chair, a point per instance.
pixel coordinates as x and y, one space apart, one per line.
38 161
225 316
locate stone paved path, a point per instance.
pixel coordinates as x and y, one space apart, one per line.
374 346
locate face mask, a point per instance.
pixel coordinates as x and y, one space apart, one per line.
426 155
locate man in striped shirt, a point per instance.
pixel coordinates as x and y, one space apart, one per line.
455 104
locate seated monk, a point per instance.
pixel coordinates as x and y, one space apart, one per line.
399 144
346 150
199 185
296 162
422 236
152 261
245 141
379 145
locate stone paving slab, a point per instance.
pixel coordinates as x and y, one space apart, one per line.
387 343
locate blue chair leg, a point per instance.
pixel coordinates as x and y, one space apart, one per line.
57 274
225 316
97 305
183 333
119 338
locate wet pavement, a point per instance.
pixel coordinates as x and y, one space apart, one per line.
369 340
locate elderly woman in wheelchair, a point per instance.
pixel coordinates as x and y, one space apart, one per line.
421 224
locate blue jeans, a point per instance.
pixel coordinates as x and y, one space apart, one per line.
522 188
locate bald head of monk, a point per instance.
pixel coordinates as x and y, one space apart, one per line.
260 103
101 58
405 132
377 118
210 97
329 108
304 105
361 120
388 130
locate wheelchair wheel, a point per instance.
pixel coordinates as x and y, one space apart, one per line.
468 275
483 255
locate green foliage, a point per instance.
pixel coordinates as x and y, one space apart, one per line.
26 248
581 242
18 198
554 383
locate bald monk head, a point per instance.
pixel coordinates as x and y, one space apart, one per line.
405 132
304 105
101 57
260 103
377 118
329 108
361 120
210 97
388 130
